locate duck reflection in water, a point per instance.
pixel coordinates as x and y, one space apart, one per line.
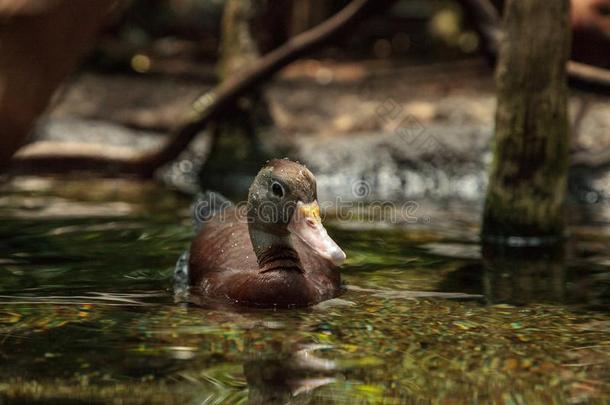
274 253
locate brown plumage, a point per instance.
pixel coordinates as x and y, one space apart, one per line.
273 253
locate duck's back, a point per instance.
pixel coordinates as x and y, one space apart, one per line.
222 246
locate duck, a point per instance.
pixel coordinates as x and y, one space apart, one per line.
272 251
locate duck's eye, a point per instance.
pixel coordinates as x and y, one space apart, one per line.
277 189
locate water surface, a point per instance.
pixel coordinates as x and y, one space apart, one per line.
87 312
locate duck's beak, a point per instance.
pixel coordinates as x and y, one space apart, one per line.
307 226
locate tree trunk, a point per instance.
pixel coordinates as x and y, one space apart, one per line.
527 186
236 149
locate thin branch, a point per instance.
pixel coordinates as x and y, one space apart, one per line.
592 160
588 74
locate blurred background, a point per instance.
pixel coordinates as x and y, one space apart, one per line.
415 69
394 115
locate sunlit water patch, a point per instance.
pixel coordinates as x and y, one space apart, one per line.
87 313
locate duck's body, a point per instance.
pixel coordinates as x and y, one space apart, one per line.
242 259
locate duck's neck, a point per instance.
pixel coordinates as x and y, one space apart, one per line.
274 252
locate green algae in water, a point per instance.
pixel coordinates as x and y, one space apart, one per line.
88 315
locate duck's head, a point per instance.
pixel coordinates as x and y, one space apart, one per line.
283 201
